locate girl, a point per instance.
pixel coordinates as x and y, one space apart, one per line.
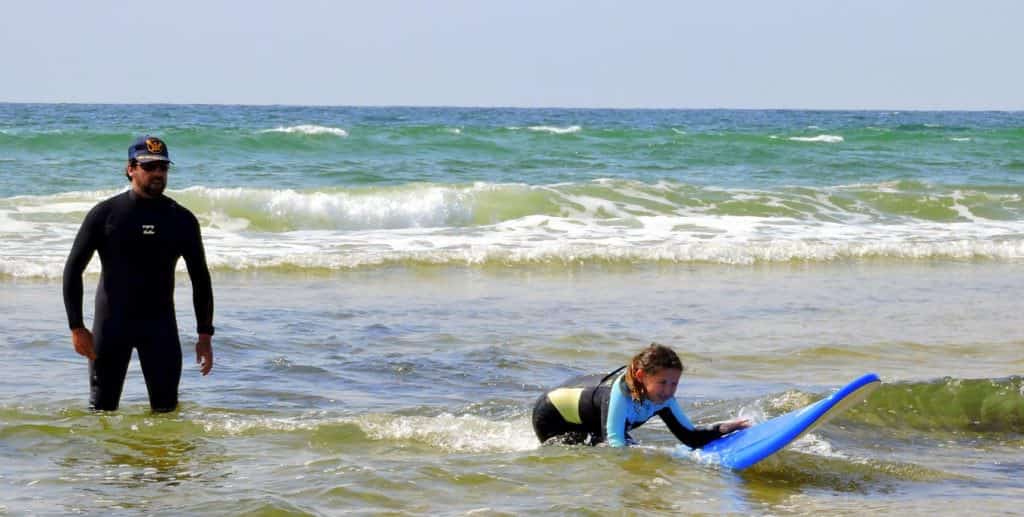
595 408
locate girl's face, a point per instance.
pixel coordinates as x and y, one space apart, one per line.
660 385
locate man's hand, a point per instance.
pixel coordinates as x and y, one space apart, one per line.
81 338
204 353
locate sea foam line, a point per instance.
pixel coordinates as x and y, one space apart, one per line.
457 433
334 251
828 139
555 129
309 129
248 229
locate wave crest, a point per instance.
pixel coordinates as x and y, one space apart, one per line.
308 129
556 130
948 404
828 139
604 221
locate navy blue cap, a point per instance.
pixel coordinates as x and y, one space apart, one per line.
147 149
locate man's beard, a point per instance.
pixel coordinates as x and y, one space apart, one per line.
154 188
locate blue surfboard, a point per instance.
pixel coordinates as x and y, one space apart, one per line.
746 447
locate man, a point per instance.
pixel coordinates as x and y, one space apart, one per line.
139 234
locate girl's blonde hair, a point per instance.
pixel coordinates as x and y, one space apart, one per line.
651 359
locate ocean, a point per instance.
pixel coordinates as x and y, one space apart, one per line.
395 287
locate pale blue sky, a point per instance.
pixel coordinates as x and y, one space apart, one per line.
857 54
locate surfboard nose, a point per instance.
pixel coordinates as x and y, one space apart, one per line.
746 447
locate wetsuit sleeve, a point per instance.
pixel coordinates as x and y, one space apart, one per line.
615 418
86 243
199 273
684 430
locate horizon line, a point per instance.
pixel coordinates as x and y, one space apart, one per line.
510 107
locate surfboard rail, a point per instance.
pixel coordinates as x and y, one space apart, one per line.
746 447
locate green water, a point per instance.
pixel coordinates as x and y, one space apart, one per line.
395 287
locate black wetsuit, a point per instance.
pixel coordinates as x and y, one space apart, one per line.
139 241
581 410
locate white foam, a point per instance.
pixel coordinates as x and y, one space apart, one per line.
27 131
828 139
962 211
813 444
416 207
960 139
238 424
608 221
14 226
534 240
309 129
555 130
790 400
69 207
696 455
465 433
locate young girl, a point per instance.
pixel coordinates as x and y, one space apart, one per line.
595 408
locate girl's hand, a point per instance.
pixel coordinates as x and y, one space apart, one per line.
733 425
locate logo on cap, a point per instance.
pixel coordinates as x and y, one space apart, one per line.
154 146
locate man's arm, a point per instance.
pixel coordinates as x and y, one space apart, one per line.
199 273
81 253
202 295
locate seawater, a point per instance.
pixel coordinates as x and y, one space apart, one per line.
395 286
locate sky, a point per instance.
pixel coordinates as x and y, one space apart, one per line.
788 54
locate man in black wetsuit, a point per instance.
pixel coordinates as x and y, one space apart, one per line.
139 235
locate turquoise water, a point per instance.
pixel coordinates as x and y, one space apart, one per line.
314 148
395 286
343 188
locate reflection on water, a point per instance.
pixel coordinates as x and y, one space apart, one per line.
312 414
127 460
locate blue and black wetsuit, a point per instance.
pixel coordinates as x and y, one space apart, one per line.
139 241
591 409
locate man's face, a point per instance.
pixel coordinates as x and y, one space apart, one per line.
149 178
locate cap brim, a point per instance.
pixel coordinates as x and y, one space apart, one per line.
148 158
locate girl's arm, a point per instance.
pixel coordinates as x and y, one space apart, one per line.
615 419
684 430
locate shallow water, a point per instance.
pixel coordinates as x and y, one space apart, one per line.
395 287
408 390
